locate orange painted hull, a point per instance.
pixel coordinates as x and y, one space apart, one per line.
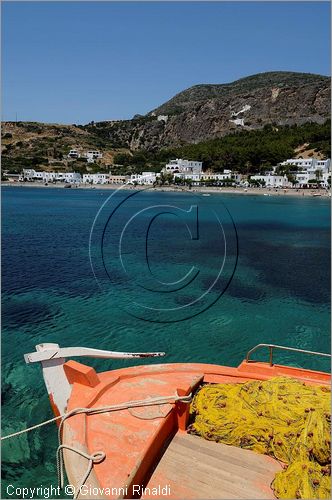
133 439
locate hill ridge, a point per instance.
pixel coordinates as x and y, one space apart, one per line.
205 91
190 117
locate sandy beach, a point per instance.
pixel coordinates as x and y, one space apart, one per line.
180 189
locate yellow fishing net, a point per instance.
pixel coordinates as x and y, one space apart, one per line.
280 417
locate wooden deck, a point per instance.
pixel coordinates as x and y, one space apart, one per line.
195 468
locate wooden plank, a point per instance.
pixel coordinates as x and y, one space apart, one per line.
234 455
215 462
210 480
196 468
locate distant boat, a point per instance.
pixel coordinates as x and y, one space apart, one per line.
67 186
205 194
316 194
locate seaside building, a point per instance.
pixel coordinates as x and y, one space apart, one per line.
309 164
326 177
13 177
40 176
310 171
118 179
226 175
192 170
183 167
147 178
95 178
272 181
196 178
69 177
30 174
303 179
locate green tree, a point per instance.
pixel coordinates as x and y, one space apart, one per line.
164 179
318 174
291 178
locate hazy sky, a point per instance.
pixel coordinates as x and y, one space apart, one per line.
73 62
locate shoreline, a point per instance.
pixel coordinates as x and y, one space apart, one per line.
301 193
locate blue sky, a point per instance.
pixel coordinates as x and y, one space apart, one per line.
73 62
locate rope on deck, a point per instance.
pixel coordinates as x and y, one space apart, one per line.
120 406
97 456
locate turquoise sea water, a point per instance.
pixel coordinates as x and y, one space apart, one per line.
279 293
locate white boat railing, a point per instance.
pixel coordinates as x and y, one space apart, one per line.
271 347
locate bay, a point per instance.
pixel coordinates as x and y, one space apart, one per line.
279 293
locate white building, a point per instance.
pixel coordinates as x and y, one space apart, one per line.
91 156
70 177
206 176
195 178
325 179
13 177
307 170
303 179
73 153
309 164
146 178
227 174
183 167
238 122
273 181
28 174
118 179
40 176
162 118
95 178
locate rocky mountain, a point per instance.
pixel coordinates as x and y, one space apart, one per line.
205 112
200 113
268 85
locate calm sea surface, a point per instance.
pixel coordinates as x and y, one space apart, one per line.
280 291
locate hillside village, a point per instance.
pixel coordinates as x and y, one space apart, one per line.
270 129
296 173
